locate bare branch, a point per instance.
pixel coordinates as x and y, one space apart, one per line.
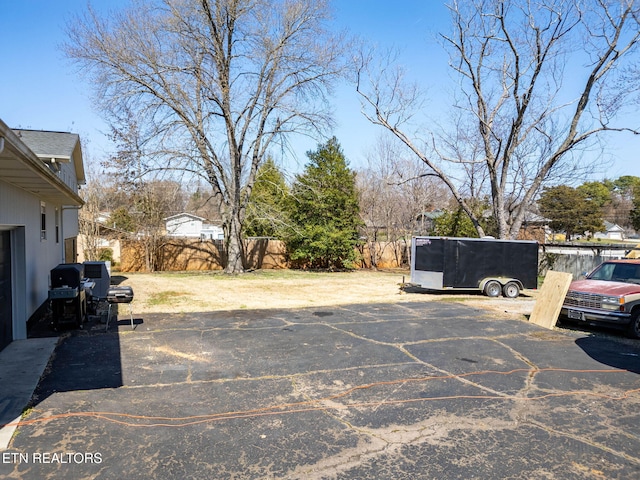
519 123
217 80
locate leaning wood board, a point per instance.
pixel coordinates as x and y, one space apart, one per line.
550 298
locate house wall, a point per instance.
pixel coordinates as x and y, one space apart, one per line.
69 215
32 257
211 232
184 227
70 222
67 174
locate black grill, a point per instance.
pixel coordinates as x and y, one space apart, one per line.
67 295
67 275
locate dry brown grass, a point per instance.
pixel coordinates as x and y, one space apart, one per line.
176 292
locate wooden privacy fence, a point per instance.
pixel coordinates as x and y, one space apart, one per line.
266 253
384 254
177 254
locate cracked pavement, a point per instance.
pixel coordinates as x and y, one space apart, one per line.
412 390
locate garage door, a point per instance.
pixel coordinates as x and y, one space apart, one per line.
6 332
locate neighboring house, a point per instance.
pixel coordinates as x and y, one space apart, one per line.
426 222
186 225
104 218
40 173
612 231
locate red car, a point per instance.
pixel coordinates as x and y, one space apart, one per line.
609 295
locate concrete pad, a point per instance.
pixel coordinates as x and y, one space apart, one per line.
22 363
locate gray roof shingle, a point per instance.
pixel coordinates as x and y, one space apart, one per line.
49 144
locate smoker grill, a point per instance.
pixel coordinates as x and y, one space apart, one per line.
117 295
120 294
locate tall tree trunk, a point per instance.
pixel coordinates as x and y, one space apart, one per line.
234 245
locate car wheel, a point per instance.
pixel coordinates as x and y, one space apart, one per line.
634 326
492 288
511 290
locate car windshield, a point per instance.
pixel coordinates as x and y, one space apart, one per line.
617 272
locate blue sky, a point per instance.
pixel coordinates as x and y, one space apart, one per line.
40 89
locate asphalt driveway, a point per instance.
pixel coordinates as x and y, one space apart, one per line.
413 390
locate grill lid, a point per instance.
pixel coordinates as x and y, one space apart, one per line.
120 294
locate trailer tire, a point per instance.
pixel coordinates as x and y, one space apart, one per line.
511 290
492 288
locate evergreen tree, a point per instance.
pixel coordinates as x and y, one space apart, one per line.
635 211
122 220
571 210
324 211
596 192
266 210
627 184
456 223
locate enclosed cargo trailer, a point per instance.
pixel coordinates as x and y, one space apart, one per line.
493 266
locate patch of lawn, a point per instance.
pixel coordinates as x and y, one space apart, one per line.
166 297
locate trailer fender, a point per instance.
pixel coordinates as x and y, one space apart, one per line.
494 286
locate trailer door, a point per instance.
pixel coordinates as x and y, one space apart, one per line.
428 262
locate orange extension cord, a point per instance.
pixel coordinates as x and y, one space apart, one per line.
312 405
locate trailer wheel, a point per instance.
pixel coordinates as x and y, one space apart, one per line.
511 290
492 288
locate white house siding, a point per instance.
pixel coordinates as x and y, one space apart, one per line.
28 188
70 222
70 228
67 174
184 226
32 257
212 232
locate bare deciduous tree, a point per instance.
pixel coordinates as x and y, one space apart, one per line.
538 85
213 84
394 193
89 225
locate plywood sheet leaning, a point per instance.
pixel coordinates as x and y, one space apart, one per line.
550 298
